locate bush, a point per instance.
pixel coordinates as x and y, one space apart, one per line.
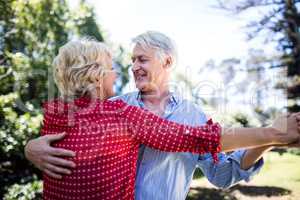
32 190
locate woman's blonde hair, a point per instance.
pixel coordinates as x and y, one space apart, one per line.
77 65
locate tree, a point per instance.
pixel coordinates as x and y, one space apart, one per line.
281 24
85 22
30 39
31 32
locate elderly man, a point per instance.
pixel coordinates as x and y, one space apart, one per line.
163 175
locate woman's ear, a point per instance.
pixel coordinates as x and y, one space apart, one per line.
99 81
93 79
96 80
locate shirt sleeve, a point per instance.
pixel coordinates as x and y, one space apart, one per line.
155 132
228 172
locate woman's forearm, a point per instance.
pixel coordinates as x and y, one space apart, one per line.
237 138
155 132
284 130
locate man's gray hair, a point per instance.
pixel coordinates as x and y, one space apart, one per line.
159 41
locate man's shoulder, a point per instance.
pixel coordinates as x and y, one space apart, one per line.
191 105
188 109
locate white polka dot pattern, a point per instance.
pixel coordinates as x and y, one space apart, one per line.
106 136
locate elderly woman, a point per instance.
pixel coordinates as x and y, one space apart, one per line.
106 134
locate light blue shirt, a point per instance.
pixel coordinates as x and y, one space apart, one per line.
167 176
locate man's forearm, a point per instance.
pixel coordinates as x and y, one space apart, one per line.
251 156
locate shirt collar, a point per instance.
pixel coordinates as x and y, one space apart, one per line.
174 99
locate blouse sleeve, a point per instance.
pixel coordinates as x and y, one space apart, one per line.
155 132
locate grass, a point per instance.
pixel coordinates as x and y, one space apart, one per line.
281 171
278 179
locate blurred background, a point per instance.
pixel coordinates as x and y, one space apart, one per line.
238 59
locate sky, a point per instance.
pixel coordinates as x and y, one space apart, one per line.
201 31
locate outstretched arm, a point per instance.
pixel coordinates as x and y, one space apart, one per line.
243 164
283 131
231 139
289 124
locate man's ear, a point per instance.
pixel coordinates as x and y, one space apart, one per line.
168 62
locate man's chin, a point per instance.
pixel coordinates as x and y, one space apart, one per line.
141 86
111 94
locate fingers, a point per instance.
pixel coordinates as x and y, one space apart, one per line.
295 115
57 169
296 118
47 158
61 152
55 137
61 162
58 151
53 175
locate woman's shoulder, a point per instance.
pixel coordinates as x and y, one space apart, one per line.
115 105
83 105
54 105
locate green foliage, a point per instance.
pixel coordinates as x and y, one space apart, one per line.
242 119
295 151
198 174
121 65
27 191
20 126
31 32
85 22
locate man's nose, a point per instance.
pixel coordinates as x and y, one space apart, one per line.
135 67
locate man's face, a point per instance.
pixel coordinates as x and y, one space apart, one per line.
149 71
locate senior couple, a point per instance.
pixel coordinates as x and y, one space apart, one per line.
142 145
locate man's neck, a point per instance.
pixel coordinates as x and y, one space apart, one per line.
156 101
155 97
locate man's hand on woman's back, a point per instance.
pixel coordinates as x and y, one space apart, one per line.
47 158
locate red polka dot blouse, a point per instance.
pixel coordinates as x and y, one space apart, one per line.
106 136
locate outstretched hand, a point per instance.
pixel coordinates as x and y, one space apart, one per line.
291 125
297 143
